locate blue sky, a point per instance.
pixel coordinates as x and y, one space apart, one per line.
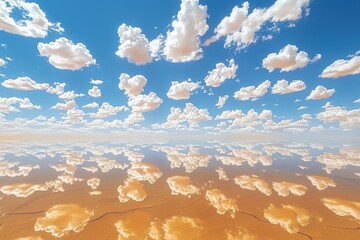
314 42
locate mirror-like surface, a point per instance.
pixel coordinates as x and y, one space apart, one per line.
212 190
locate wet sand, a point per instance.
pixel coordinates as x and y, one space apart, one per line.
176 192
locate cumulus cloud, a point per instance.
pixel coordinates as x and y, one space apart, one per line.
106 110
94 92
179 91
24 83
58 89
179 227
285 188
321 182
65 106
132 189
288 59
91 105
342 67
190 114
64 54
222 100
33 22
222 203
96 81
144 172
134 45
252 92
320 92
12 169
181 185
6 104
145 103
345 118
221 73
61 219
22 190
70 95
132 86
283 87
182 43
240 27
289 218
252 183
93 183
343 207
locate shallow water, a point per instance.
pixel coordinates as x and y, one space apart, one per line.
211 190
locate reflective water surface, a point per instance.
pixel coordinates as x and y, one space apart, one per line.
211 190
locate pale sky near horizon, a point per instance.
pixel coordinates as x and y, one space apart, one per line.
231 66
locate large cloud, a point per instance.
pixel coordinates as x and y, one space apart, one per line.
179 91
346 118
283 87
221 73
33 22
64 54
252 92
145 103
343 67
343 207
60 219
320 92
182 43
288 59
24 83
240 27
134 45
132 86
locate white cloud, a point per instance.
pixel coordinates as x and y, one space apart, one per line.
145 103
301 108
106 110
222 100
179 91
221 73
144 172
190 114
182 43
74 116
65 106
6 104
96 81
132 86
357 101
58 89
60 219
22 190
24 83
94 92
134 45
70 95
240 27
2 62
252 92
283 87
320 92
33 22
222 203
64 54
91 105
93 183
342 67
346 118
288 59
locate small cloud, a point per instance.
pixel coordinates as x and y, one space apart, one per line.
320 92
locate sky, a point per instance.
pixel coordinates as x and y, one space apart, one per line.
261 66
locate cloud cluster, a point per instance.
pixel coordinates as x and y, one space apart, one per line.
182 43
221 73
144 172
64 54
132 86
106 110
181 90
251 92
6 104
33 22
346 118
24 83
